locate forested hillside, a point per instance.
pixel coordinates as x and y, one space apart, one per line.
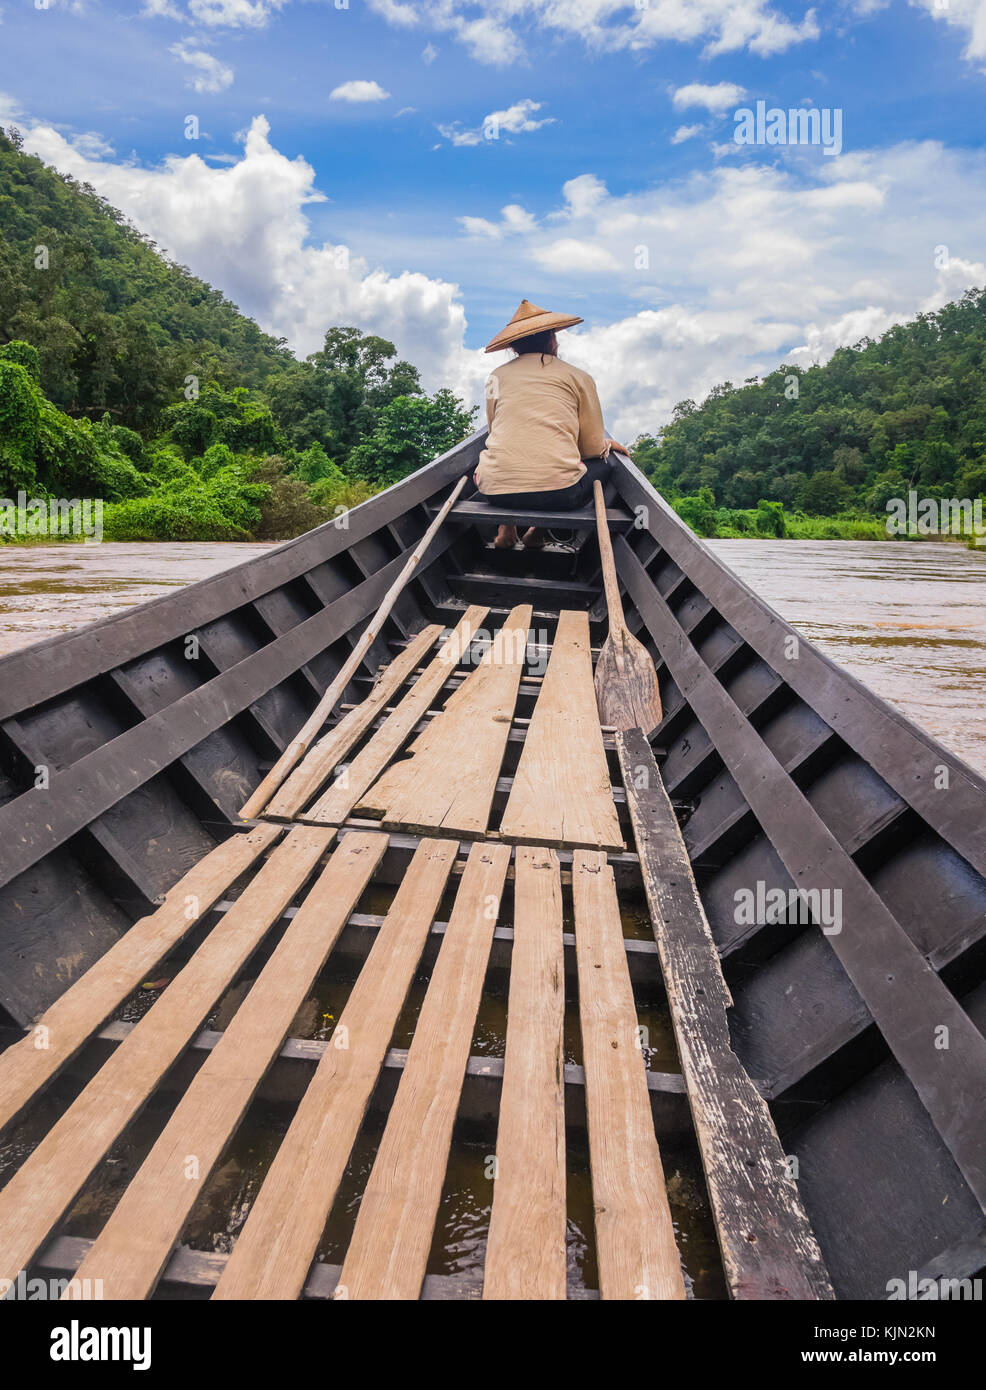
124 377
906 411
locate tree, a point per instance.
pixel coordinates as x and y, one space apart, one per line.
410 432
335 397
699 512
824 494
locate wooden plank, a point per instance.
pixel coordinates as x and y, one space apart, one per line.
635 1245
334 805
448 782
134 1246
768 1248
272 1256
907 1000
561 793
317 767
50 1178
388 1253
64 1027
525 1252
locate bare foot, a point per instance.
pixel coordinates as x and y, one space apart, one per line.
534 539
506 538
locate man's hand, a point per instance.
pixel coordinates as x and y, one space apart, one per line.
620 448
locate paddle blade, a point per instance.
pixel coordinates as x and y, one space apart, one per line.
626 685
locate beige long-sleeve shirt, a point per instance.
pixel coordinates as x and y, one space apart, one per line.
544 418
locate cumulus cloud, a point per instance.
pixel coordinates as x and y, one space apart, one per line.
358 91
717 99
514 221
515 120
491 36
210 74
686 132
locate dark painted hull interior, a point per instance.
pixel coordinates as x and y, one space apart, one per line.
151 727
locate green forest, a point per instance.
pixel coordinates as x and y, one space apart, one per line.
124 377
820 451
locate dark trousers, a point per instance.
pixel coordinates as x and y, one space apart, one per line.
562 499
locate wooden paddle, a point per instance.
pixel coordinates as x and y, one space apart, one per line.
626 683
300 745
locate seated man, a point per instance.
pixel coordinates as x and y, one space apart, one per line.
546 443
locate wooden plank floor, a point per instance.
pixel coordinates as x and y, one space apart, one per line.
272 1256
136 1242
65 1026
447 784
561 794
525 1253
334 806
388 1252
316 768
561 790
635 1244
48 1181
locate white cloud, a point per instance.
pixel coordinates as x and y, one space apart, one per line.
515 120
429 53
515 221
569 255
11 110
605 25
216 14
717 99
686 132
211 74
358 91
92 145
160 9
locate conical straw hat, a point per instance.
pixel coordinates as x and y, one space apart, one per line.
529 319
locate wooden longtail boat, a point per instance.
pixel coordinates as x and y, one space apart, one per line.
129 747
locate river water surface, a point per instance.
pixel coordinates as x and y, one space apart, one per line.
908 619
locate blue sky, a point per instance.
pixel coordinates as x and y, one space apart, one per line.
691 258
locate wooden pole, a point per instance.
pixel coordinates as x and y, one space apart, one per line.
300 745
617 620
